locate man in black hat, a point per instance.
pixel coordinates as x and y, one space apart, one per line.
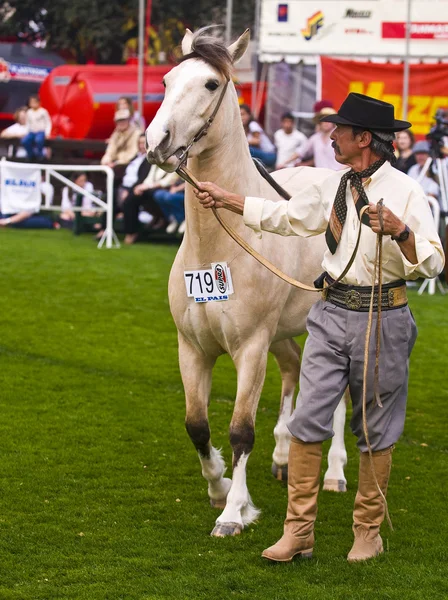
334 351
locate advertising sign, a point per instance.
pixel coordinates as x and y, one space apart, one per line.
367 28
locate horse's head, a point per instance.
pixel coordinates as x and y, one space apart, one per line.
193 90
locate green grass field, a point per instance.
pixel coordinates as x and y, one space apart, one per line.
101 495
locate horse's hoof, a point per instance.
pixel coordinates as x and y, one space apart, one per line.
226 529
221 504
335 485
280 472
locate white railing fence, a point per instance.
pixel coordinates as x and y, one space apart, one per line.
109 237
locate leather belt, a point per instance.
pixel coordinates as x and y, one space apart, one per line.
355 297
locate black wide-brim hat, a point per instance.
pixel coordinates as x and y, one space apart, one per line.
358 110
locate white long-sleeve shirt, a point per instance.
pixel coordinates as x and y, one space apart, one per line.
308 213
38 120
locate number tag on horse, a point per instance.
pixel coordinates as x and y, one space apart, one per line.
209 285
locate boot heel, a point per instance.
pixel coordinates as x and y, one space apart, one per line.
306 554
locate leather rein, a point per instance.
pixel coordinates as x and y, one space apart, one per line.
187 176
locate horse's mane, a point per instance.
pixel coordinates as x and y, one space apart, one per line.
211 50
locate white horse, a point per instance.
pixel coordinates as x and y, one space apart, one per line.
264 313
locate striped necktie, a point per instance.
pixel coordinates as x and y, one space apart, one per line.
339 210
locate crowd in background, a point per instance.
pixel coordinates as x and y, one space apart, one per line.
145 195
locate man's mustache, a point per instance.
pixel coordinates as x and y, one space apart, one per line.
336 147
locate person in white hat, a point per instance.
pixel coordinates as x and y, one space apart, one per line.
421 151
123 143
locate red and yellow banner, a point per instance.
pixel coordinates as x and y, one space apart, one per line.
427 88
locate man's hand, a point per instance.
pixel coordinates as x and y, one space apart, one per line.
392 225
212 196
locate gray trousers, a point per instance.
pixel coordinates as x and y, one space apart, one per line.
334 359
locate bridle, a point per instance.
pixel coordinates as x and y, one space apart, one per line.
183 155
187 176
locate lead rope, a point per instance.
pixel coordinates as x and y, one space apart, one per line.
187 176
377 269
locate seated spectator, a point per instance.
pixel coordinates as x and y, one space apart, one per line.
70 197
38 127
47 191
404 141
26 220
17 131
142 196
172 204
136 119
288 141
260 145
136 172
122 145
319 147
31 219
429 184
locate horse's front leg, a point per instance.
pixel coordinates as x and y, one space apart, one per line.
334 479
251 369
287 354
196 370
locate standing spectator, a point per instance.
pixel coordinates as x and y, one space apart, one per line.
404 140
18 130
124 102
142 195
38 127
319 146
260 145
69 198
429 184
288 140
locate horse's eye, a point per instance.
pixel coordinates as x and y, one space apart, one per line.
212 85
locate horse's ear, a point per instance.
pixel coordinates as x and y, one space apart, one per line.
238 48
187 42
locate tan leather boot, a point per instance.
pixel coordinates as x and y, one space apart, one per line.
369 508
303 486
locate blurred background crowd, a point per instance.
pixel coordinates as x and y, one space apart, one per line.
69 73
148 198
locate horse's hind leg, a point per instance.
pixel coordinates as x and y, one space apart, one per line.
287 354
334 479
196 370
